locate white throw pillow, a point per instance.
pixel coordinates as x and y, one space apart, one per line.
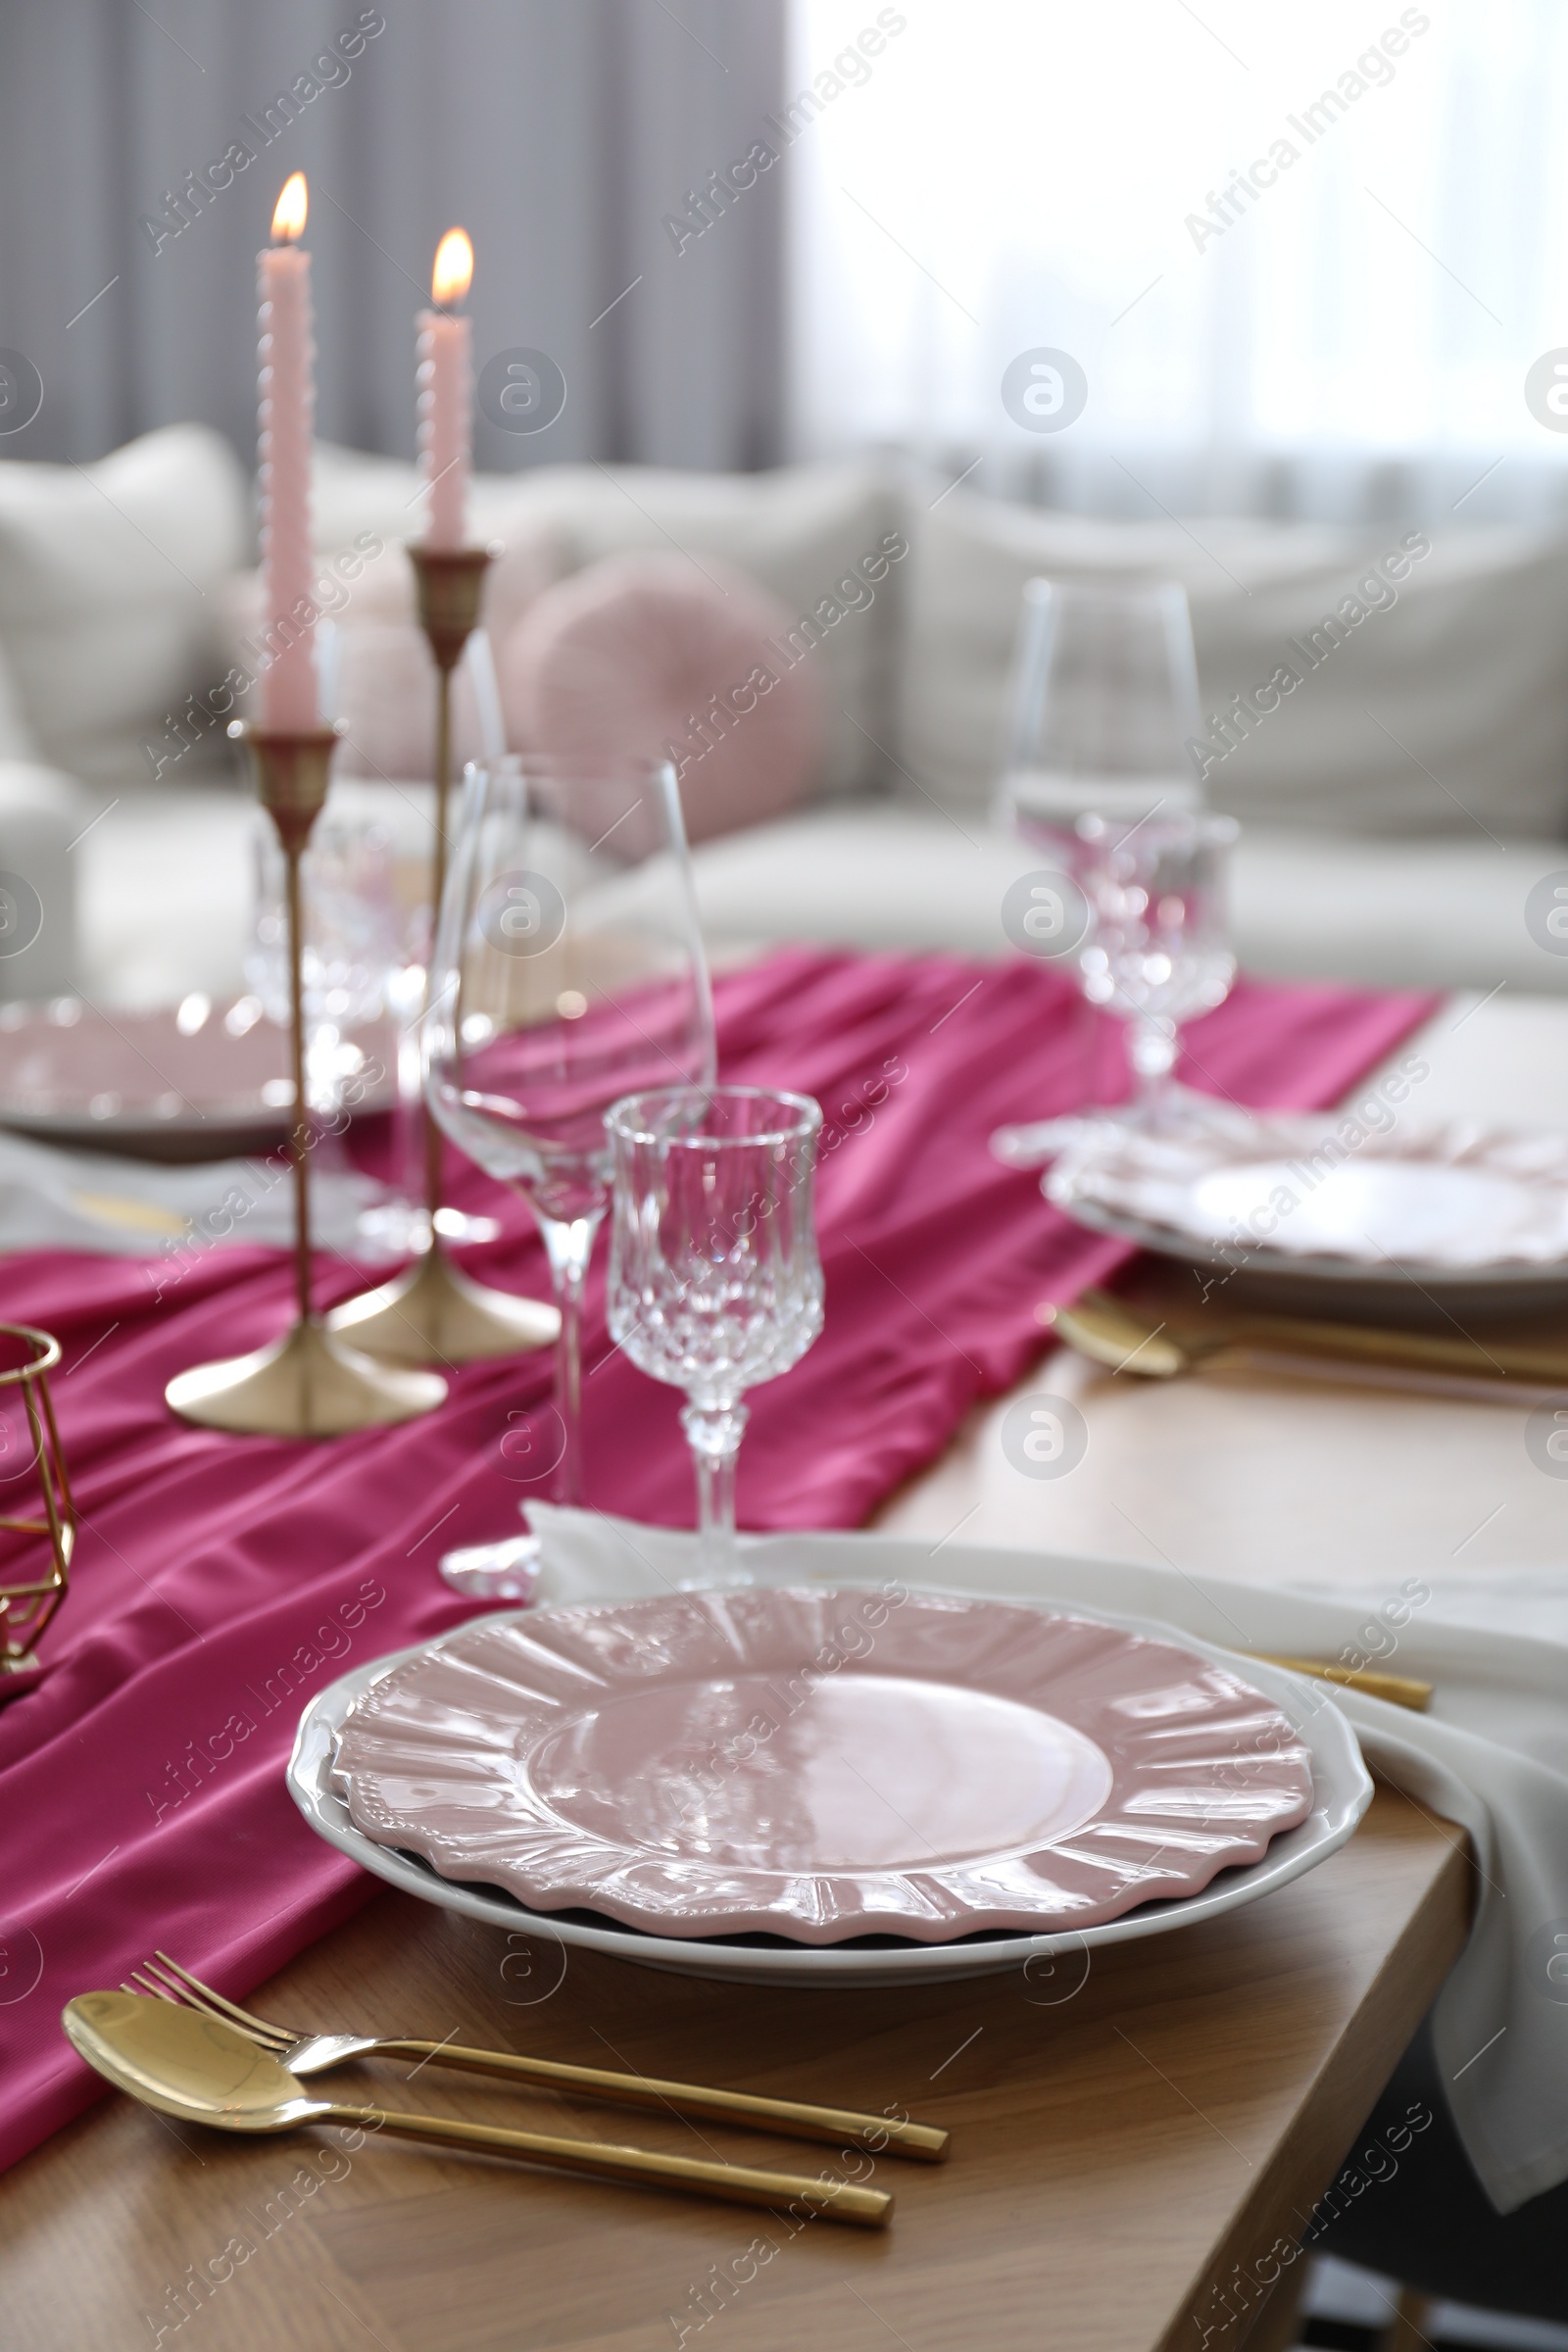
1444 709
108 591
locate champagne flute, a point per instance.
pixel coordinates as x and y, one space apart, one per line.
567 971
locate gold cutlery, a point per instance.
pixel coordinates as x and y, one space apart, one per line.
139 1216
201 2070
1132 1338
1399 1690
312 2053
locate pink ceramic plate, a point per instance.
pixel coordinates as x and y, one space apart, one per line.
192 1081
822 1764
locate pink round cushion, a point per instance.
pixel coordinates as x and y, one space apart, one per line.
647 653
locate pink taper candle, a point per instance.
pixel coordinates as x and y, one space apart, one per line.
446 394
287 420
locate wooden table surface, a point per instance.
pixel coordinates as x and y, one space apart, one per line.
1120 2141
1271 1479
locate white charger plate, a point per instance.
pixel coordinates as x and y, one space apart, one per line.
1341 1791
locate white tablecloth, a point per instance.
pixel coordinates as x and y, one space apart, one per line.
1492 1754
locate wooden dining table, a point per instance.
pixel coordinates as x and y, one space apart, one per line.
1132 2142
1139 2146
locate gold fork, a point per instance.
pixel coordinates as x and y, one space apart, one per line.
312 2053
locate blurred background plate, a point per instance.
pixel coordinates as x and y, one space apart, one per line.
203 1079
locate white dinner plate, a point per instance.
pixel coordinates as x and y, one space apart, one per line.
1341 1791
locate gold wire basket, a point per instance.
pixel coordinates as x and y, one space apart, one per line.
30 1594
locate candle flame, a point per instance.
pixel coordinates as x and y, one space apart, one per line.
288 220
453 274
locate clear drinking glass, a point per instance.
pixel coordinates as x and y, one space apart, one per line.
1158 951
352 948
567 971
714 1281
1104 704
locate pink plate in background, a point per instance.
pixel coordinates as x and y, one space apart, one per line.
194 1081
821 1765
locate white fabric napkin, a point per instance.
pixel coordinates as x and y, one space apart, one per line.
1492 1754
54 1200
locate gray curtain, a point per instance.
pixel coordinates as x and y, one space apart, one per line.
562 134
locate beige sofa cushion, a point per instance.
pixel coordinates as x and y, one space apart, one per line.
1444 710
1302 906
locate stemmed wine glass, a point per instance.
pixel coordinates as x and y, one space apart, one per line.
1105 704
567 971
714 1281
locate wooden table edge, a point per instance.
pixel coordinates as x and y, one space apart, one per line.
1332 2107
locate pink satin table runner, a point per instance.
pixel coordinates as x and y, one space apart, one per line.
221 1582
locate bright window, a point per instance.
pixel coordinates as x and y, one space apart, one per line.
1331 240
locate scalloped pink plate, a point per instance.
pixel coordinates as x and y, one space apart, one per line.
822 1764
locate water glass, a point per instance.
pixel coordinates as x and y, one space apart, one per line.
714 1281
352 950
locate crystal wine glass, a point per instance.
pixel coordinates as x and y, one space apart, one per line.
351 947
1157 952
714 1281
1104 704
568 970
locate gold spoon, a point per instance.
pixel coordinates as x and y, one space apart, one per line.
206 2072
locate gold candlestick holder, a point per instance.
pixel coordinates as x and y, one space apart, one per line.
28 1600
433 1313
306 1384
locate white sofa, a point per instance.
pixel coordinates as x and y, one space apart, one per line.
1399 803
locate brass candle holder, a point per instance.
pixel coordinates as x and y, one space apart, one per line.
28 1601
306 1384
433 1313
